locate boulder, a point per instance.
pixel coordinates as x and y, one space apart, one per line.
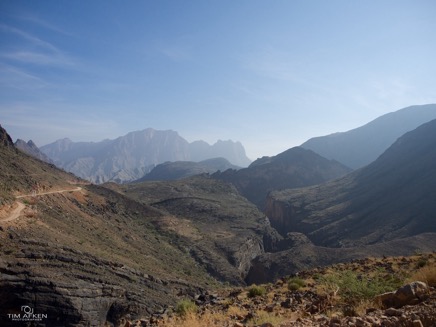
408 294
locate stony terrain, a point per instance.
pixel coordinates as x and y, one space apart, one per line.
340 295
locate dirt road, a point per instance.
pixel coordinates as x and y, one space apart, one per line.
21 206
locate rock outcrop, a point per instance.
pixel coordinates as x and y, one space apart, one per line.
408 294
5 139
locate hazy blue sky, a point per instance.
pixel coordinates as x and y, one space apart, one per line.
270 74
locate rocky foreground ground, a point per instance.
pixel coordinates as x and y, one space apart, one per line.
396 291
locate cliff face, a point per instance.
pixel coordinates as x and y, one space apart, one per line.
281 215
76 289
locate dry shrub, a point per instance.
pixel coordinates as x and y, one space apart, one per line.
426 274
236 311
263 317
360 308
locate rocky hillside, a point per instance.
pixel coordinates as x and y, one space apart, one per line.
182 169
131 156
390 291
392 198
83 254
360 146
293 168
218 227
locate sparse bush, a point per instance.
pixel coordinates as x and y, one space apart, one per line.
353 287
256 291
185 307
295 283
421 263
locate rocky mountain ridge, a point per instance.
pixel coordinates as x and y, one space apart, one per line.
133 155
31 149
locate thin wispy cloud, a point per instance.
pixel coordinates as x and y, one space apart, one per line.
38 58
35 50
12 77
28 37
40 22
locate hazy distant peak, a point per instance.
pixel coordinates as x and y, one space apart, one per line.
362 145
133 155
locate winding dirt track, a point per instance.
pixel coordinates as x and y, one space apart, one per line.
15 213
20 206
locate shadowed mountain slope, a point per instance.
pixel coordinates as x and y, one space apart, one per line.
360 146
296 167
392 198
183 169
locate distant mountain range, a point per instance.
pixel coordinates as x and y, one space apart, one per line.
131 156
392 198
296 167
361 146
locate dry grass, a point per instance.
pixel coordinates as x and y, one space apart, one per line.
263 317
425 274
193 320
